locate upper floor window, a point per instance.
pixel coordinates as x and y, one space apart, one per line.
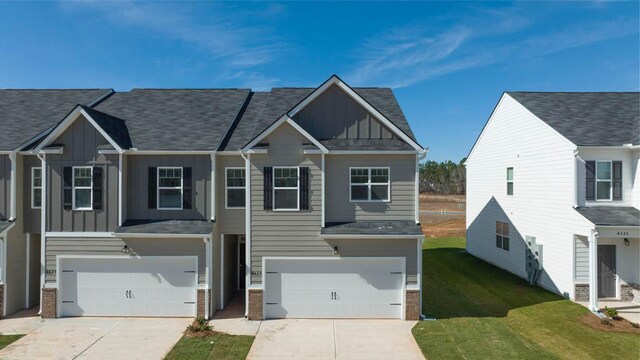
603 180
235 188
170 188
369 184
36 188
82 187
286 188
509 181
502 235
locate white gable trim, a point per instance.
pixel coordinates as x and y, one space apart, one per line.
275 125
70 119
334 80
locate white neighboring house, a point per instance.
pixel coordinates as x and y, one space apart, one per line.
560 171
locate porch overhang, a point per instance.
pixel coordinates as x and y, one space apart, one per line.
144 228
372 229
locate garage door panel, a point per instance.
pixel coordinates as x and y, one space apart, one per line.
334 288
128 287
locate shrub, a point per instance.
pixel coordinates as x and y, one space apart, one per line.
610 312
635 325
605 321
199 325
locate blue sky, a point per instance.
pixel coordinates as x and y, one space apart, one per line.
447 62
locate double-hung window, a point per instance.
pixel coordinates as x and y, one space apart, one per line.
36 188
170 188
82 188
286 188
502 235
509 181
235 188
603 180
369 184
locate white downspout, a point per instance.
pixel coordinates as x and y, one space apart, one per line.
43 224
13 210
323 191
575 177
207 243
247 217
213 186
27 268
593 271
420 156
120 205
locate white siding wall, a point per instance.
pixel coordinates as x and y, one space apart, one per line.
630 175
542 203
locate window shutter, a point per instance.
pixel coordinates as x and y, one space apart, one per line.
67 174
152 188
304 188
97 188
268 187
590 180
186 188
617 180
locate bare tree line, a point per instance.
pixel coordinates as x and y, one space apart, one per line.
444 177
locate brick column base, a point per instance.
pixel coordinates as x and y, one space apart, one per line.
201 304
412 305
49 302
626 292
255 304
581 292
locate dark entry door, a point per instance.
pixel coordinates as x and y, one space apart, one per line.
241 265
606 270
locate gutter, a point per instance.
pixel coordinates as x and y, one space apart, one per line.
247 214
577 158
14 188
43 225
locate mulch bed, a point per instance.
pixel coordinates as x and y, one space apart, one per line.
616 325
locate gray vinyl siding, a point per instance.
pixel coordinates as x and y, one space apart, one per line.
5 186
335 115
16 265
285 233
407 248
113 246
228 221
138 184
34 270
403 195
80 142
581 259
32 219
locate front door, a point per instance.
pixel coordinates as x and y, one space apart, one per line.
606 271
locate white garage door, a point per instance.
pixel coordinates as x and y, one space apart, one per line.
148 286
334 288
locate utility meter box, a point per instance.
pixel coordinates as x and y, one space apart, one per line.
534 254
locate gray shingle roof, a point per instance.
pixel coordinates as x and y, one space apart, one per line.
203 227
366 144
176 119
4 224
588 118
610 215
393 227
25 113
114 127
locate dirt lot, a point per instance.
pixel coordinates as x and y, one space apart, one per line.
438 224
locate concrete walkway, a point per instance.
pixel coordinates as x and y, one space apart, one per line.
95 338
335 339
231 320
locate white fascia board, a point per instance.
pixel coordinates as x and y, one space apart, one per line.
258 151
56 151
334 80
620 147
156 235
367 236
374 152
109 152
79 234
284 119
73 116
170 152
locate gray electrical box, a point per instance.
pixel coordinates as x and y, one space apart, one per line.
533 259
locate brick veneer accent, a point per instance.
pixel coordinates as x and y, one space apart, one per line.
412 305
1 300
255 304
49 303
626 292
200 303
581 292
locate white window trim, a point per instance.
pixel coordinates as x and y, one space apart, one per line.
297 188
34 188
369 183
513 175
227 187
610 181
503 237
73 198
158 187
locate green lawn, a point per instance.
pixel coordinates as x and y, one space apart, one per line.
218 346
8 339
484 312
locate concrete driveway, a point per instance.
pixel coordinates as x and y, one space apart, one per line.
98 338
335 339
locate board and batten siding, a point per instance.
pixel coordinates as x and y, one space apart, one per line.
32 220
113 247
80 141
542 204
336 115
285 233
5 187
138 185
228 221
403 193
